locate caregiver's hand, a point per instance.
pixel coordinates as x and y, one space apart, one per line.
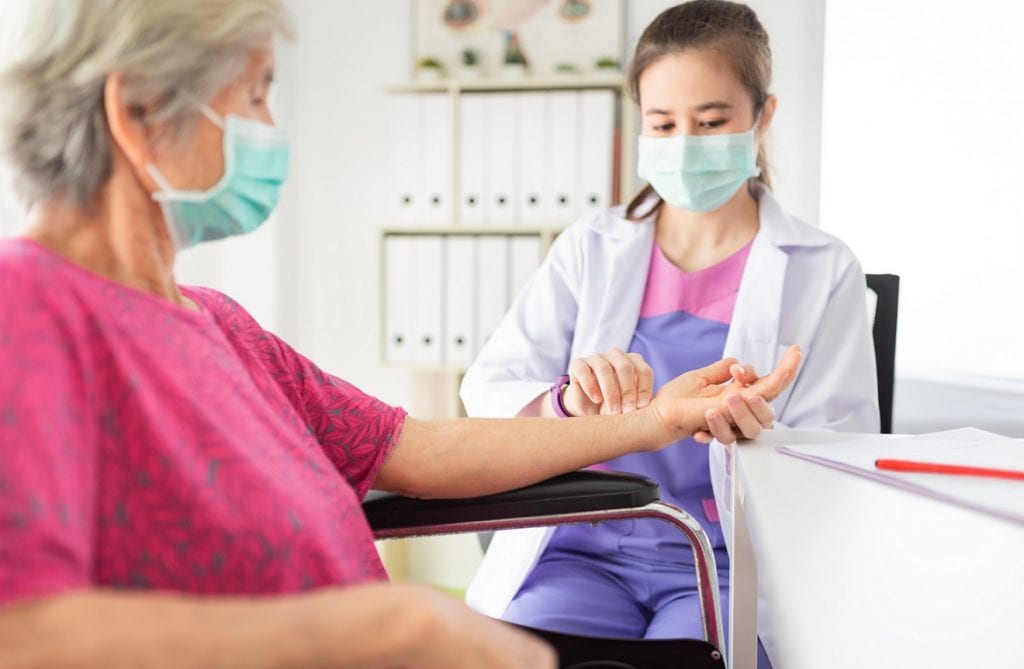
608 383
702 402
456 637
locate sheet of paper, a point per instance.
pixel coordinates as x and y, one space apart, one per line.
966 446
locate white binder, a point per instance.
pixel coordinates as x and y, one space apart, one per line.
435 166
524 258
534 183
492 282
403 177
472 153
427 308
398 252
597 137
502 137
564 129
460 300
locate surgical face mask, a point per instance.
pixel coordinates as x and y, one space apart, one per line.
698 172
255 167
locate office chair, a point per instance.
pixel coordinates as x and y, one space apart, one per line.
593 497
887 288
578 497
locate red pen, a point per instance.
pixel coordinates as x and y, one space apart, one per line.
935 468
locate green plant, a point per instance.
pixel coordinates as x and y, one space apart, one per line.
430 64
470 57
567 68
513 51
606 64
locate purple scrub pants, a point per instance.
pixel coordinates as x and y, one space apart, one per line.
600 591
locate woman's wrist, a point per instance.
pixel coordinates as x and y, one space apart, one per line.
661 432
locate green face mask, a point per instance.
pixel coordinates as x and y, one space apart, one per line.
255 167
698 172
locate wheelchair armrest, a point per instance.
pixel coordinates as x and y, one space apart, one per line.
575 492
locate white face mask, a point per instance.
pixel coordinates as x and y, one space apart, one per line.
698 172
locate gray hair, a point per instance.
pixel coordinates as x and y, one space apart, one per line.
53 125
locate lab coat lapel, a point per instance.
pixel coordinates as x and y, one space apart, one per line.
617 308
754 333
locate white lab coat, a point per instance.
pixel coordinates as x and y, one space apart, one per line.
800 286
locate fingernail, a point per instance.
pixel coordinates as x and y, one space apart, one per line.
627 407
711 414
643 402
616 408
735 400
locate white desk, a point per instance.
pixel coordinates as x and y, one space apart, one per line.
853 573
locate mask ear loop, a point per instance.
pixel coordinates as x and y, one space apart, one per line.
158 177
213 117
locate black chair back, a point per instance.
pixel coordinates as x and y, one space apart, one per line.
887 288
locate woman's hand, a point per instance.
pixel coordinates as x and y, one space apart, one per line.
608 383
702 403
456 637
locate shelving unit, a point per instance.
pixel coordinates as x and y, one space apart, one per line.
626 118
624 123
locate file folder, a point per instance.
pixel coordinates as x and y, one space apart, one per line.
427 308
398 299
472 156
460 343
500 205
492 279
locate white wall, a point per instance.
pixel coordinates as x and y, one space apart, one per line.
922 177
923 171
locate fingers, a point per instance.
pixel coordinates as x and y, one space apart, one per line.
719 427
771 386
718 372
644 380
608 380
702 437
763 412
617 381
625 375
743 419
582 375
744 375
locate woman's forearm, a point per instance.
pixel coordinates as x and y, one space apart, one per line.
364 626
472 457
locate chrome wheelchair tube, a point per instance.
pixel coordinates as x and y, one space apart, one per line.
704 557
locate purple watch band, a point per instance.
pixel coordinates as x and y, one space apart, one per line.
556 396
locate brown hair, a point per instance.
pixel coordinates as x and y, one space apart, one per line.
730 28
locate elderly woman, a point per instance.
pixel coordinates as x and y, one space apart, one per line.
178 487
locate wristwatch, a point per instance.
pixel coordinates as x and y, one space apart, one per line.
556 396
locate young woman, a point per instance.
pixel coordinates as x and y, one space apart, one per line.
704 262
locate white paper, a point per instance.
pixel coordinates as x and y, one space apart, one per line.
967 446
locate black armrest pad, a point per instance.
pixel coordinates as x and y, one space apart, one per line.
570 493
